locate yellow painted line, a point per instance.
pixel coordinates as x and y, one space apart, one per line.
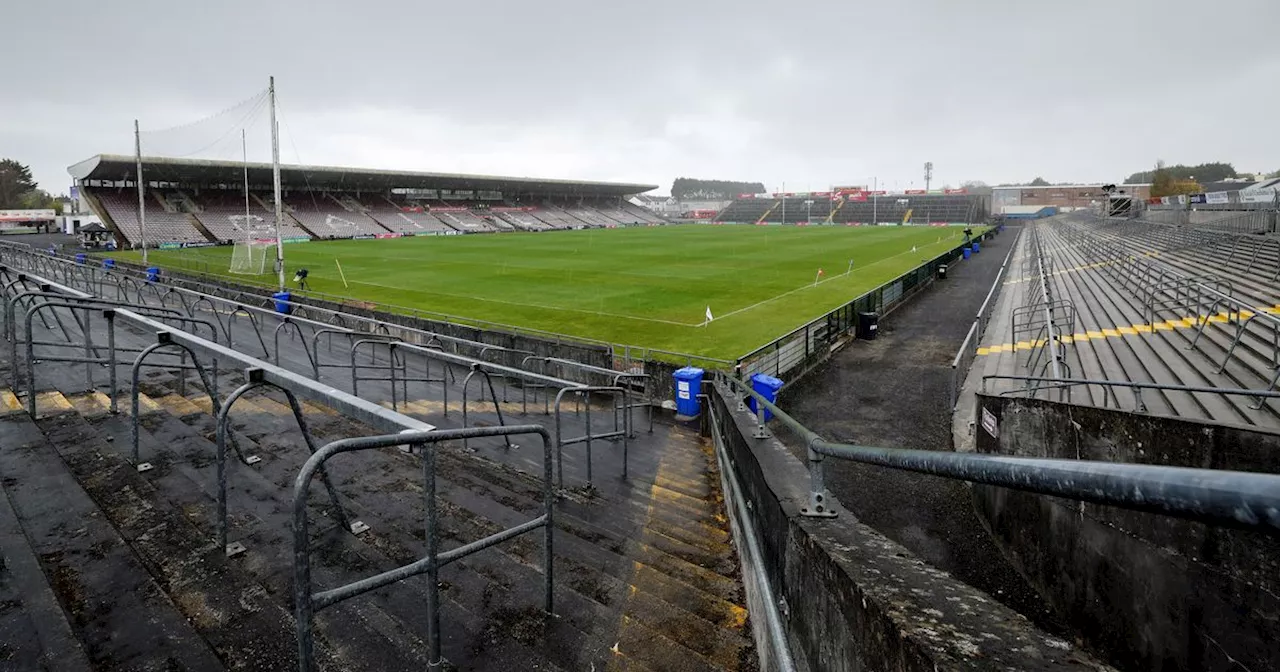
1193 322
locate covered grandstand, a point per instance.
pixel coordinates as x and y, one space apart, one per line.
192 202
856 207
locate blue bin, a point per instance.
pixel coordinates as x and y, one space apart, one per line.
80 257
976 247
966 252
766 386
108 264
153 274
282 302
688 387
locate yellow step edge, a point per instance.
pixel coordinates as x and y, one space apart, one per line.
178 405
91 404
145 405
9 402
51 403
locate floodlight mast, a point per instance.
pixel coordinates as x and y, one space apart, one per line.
244 154
275 178
142 205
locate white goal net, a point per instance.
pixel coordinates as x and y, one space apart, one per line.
250 257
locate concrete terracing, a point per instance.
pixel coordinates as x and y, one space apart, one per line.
1117 337
109 568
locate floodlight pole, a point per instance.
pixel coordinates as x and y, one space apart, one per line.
244 153
142 205
875 202
784 202
275 178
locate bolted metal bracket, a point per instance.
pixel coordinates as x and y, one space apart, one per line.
235 548
358 527
164 337
254 374
817 507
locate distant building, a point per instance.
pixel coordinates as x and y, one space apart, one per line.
1063 197
668 206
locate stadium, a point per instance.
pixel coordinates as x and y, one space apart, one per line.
273 416
601 269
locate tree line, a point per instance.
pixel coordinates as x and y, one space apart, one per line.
19 191
691 189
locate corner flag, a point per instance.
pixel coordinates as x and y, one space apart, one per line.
709 315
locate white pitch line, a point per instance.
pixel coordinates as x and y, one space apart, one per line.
804 287
654 319
537 305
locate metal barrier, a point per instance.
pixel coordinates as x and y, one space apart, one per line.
1053 383
963 360
1163 288
254 380
616 379
164 339
358 409
621 396
1228 498
307 602
588 437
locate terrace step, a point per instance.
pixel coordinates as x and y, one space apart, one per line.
100 582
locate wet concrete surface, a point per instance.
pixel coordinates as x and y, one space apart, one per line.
893 392
646 576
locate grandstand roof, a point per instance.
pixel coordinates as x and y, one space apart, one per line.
114 167
1025 187
1227 185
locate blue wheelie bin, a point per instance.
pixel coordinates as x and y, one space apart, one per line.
282 302
976 247
766 386
108 264
688 386
153 274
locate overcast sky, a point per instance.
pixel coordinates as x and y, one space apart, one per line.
810 93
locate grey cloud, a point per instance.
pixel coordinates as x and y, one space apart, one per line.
809 93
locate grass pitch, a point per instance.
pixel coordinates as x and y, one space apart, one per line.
646 286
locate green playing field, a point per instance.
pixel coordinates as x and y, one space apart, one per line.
645 286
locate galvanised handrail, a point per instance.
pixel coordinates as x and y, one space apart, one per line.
1238 499
969 347
354 407
306 603
1260 395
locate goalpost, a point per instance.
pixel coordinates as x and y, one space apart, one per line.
250 256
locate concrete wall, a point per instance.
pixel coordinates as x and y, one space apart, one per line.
1154 593
852 599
